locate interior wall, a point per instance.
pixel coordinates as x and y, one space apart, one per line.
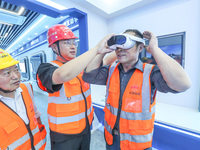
168 18
97 25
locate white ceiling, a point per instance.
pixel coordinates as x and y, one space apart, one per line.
112 8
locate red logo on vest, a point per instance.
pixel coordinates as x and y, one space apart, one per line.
135 90
135 87
86 85
35 120
31 107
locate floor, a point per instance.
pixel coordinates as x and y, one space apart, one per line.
97 140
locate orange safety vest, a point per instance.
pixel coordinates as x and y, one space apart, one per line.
137 113
67 108
14 133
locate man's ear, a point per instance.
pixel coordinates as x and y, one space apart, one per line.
141 47
54 47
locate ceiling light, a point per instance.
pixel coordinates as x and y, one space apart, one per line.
112 6
6 35
21 10
52 4
11 17
6 23
110 2
26 32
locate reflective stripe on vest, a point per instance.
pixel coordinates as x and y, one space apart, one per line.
62 120
144 115
72 99
111 69
41 144
23 139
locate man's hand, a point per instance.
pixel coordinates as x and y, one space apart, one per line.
102 46
153 42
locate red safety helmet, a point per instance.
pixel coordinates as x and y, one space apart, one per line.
59 32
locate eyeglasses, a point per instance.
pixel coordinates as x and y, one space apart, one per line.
70 42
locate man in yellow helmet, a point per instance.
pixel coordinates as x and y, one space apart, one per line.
20 124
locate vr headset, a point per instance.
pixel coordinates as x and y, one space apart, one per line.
124 41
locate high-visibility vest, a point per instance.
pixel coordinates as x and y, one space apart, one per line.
137 113
69 107
14 133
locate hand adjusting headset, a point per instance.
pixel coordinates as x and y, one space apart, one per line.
124 41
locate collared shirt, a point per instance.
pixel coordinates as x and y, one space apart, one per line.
18 106
99 76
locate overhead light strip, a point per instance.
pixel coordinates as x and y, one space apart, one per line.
52 4
7 32
11 12
25 33
21 10
6 23
6 35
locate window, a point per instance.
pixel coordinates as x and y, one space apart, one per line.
35 61
24 69
173 45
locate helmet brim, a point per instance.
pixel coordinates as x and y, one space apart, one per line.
9 64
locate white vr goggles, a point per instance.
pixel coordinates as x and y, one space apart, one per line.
124 41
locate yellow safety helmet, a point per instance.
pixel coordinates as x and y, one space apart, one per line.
6 60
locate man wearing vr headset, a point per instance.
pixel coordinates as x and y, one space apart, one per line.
131 87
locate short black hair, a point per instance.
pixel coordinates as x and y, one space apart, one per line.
137 33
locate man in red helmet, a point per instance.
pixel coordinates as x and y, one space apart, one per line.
70 111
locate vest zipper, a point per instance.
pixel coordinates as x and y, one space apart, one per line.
87 121
31 136
28 128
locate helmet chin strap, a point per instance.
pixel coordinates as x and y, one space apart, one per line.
6 91
59 54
